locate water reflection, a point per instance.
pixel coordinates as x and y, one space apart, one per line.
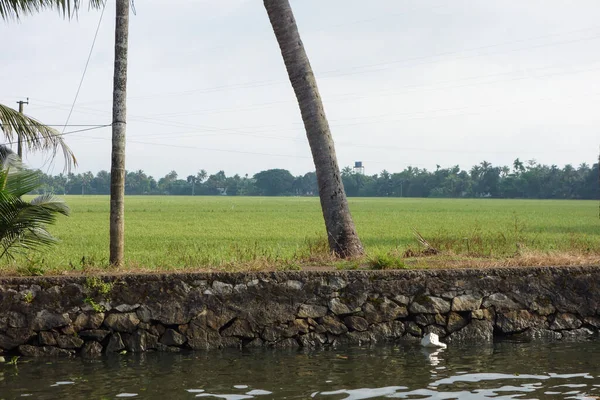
502 371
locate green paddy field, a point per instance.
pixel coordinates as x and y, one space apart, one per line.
238 233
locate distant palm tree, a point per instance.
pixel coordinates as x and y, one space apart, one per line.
23 224
341 233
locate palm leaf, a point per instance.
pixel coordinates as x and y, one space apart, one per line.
35 135
15 9
23 225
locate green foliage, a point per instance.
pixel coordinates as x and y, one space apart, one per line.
99 285
98 308
385 261
14 360
28 298
23 224
524 180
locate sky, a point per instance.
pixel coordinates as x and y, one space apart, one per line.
404 82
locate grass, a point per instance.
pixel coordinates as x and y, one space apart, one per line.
246 233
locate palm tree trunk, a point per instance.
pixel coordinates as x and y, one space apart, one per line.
341 233
117 180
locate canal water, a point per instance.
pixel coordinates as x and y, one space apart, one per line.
505 370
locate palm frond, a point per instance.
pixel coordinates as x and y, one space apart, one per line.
15 9
23 225
34 134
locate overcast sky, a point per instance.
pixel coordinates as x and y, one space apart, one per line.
404 82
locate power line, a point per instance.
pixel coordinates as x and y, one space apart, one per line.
87 63
67 133
336 72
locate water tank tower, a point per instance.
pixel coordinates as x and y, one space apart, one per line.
359 168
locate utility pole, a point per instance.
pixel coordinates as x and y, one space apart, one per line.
19 138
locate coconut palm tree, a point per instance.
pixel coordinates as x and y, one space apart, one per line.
15 9
117 169
23 224
341 233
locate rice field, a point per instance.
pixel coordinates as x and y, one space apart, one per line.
242 233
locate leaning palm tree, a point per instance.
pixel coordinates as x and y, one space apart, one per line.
23 224
341 233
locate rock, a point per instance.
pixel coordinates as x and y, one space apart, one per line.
437 329
301 325
144 314
383 310
47 338
91 350
339 308
125 308
337 283
115 343
239 328
222 288
333 325
500 302
126 322
202 337
271 334
68 342
258 342
565 321
466 302
359 338
425 319
312 340
413 329
401 299
440 319
482 314
456 322
543 307
167 349
14 337
518 321
45 320
357 323
170 312
140 341
44 351
172 338
537 334
97 335
68 330
311 311
387 331
296 285
13 319
592 321
288 343
429 305
476 331
577 334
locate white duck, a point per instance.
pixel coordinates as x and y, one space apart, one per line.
432 340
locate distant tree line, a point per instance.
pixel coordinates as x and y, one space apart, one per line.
527 180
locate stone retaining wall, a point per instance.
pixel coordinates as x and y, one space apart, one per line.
64 316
